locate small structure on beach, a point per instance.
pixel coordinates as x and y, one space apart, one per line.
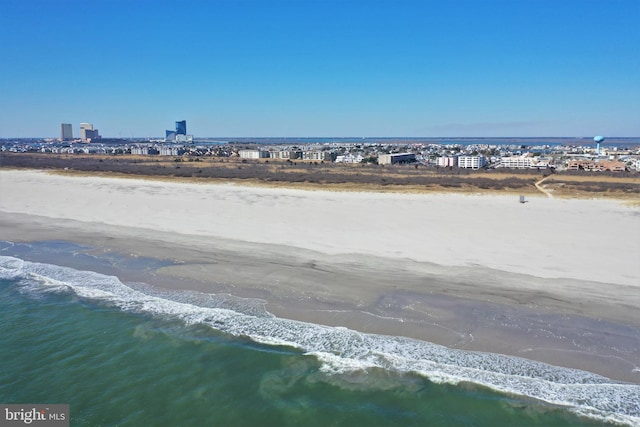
522 200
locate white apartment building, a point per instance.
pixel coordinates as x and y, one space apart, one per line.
316 155
522 162
184 138
253 154
285 154
141 151
349 158
472 162
168 151
448 161
516 162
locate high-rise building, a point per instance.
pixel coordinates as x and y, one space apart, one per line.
178 135
88 133
66 132
169 135
181 127
84 127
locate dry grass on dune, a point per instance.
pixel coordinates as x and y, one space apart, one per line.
332 176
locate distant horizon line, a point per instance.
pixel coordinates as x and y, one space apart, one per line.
339 137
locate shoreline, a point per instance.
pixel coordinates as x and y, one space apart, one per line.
536 326
568 321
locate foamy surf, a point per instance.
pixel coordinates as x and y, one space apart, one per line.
341 350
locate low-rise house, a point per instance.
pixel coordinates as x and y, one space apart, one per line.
593 166
613 165
574 165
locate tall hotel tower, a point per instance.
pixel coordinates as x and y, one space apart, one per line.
88 133
85 130
66 132
178 135
181 127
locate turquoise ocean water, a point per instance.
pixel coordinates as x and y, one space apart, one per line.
132 355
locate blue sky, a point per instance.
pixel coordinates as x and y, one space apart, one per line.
321 68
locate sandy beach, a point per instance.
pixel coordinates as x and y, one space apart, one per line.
551 280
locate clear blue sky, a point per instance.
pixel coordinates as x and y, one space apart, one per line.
321 68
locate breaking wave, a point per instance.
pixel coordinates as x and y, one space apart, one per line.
341 350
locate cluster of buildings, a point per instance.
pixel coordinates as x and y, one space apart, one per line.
179 134
481 161
599 166
468 162
479 156
463 158
87 132
444 155
292 154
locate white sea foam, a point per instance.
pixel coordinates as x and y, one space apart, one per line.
341 350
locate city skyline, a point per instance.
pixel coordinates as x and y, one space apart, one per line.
323 69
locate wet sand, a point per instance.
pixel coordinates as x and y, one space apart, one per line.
544 280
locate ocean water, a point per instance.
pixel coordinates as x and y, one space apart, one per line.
129 354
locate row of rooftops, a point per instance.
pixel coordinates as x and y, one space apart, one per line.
428 154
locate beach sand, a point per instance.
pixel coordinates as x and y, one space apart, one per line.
551 280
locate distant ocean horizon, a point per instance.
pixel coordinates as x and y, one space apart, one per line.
424 140
552 141
132 354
